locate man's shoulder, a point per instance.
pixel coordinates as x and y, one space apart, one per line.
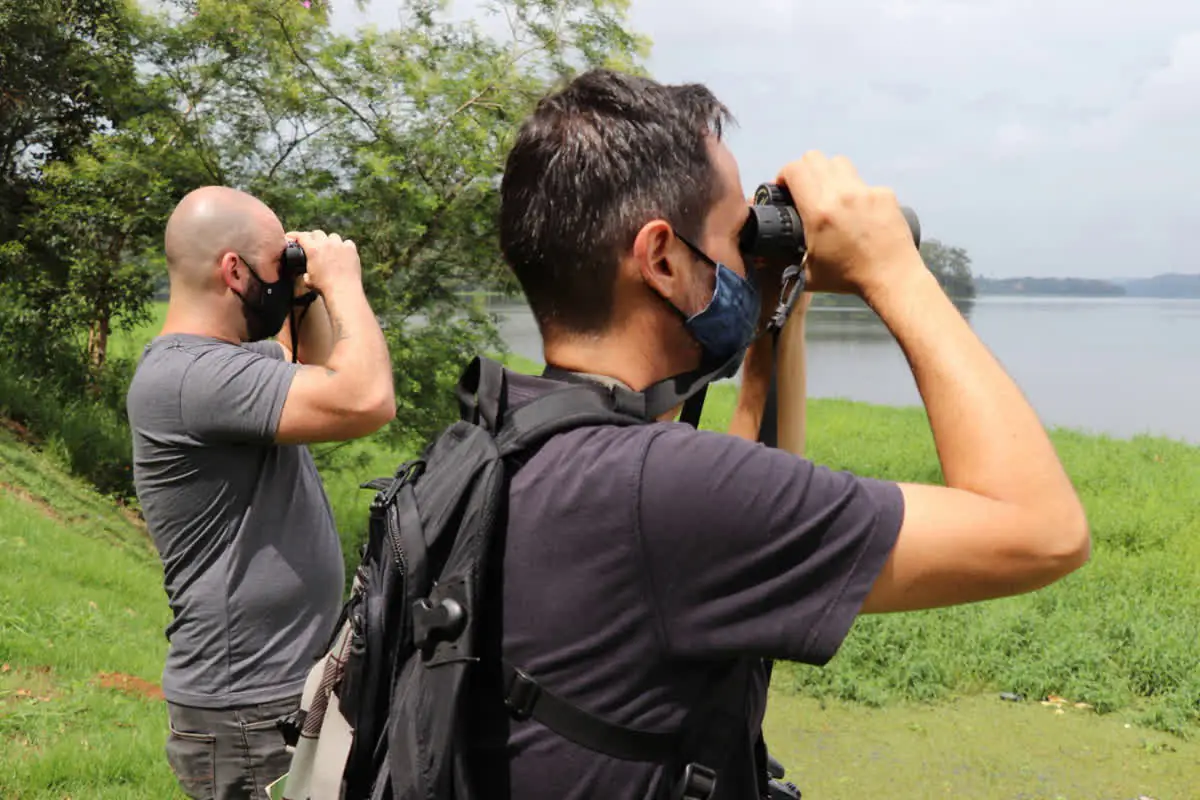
196 346
177 353
172 362
673 445
162 365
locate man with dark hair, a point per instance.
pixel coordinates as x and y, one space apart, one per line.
640 562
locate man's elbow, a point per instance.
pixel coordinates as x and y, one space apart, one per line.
376 409
1065 543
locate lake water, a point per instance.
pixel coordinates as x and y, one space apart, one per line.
1116 366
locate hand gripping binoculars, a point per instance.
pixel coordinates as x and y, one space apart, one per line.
773 230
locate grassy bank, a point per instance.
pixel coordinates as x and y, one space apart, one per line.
81 643
81 648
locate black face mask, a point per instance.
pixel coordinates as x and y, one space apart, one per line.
266 305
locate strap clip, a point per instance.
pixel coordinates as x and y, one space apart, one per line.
794 281
290 726
698 782
521 695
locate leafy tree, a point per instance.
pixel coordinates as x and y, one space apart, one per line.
63 66
952 266
393 138
102 214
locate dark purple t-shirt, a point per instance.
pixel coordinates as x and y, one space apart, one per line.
638 560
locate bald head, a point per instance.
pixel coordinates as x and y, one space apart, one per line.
214 220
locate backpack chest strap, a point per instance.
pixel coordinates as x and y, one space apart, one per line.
525 699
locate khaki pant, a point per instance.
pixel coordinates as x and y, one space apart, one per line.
229 753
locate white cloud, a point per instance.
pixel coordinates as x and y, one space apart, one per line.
1045 136
1166 102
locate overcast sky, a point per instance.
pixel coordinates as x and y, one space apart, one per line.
1057 137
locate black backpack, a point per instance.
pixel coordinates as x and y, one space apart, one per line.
383 714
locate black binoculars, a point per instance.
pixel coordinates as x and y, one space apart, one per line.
293 262
773 230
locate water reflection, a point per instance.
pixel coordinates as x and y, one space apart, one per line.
856 323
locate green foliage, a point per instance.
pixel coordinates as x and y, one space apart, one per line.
88 432
63 67
395 139
952 266
98 224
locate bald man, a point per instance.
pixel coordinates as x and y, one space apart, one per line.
220 415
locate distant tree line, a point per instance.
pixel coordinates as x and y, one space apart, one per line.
1167 285
1078 287
951 266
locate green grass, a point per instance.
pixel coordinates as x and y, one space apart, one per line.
81 643
81 599
979 748
908 708
129 344
1120 634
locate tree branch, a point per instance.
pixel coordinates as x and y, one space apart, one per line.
329 92
296 142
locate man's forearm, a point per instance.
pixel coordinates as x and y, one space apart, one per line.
792 382
989 440
358 351
752 396
316 333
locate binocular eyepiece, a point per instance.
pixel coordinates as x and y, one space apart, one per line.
293 262
773 230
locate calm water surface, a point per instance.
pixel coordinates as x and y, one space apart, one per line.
1115 366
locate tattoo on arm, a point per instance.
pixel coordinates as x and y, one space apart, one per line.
339 329
329 371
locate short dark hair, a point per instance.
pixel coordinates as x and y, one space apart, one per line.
595 162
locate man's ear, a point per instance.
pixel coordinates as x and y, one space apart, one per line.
654 248
233 271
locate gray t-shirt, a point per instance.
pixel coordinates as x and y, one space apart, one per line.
252 564
637 562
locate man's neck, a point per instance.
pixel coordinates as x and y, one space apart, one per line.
185 318
613 358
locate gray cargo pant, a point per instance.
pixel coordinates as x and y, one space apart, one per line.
229 753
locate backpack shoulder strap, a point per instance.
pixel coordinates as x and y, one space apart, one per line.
483 397
575 406
482 393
